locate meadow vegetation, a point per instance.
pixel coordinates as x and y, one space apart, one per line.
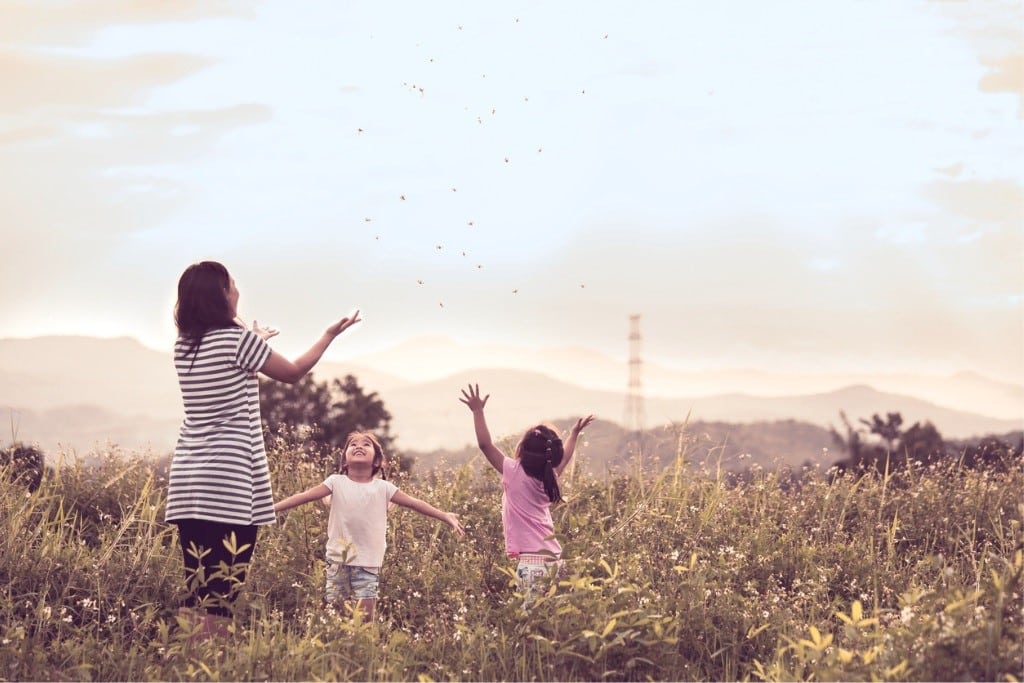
684 573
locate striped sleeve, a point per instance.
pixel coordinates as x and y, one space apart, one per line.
252 351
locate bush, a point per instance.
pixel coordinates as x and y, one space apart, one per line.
24 465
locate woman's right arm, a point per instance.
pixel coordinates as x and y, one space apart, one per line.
307 496
291 371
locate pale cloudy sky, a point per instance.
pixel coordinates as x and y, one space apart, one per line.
791 185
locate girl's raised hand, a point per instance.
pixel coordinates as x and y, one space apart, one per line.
582 424
472 398
343 324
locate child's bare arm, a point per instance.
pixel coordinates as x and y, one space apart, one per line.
309 495
570 443
428 510
483 435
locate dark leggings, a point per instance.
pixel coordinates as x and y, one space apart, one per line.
213 581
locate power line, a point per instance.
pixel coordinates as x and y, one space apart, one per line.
635 416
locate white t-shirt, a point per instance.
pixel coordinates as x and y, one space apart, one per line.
358 521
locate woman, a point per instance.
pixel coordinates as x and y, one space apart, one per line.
219 492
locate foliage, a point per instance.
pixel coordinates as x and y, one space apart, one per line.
324 412
896 448
25 465
670 575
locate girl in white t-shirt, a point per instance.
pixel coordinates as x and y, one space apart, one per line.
357 524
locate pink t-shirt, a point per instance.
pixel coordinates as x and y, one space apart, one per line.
525 513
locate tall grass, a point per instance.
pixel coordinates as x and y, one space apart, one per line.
683 574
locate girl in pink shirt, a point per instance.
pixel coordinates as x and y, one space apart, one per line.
529 484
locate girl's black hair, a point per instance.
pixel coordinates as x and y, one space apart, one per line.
202 303
540 452
378 454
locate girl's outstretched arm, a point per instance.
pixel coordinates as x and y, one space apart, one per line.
483 435
428 510
570 443
307 496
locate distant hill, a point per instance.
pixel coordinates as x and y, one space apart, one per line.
434 358
431 410
607 447
77 392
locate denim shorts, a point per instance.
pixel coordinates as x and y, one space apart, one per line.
532 568
346 581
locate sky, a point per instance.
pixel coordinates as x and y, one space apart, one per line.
798 186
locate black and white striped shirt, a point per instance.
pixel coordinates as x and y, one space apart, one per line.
219 471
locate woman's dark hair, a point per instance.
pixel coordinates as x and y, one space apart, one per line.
540 452
202 303
378 454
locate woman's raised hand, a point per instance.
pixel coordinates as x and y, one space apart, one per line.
264 333
343 324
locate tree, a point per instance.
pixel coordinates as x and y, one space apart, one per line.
888 429
24 464
920 442
329 410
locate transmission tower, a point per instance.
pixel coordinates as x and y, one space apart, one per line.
634 417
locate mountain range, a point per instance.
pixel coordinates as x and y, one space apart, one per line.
77 394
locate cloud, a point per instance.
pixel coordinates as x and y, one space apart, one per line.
85 159
59 86
41 22
992 29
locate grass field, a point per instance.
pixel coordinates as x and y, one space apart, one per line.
681 574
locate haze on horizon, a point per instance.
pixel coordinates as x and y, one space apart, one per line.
829 187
